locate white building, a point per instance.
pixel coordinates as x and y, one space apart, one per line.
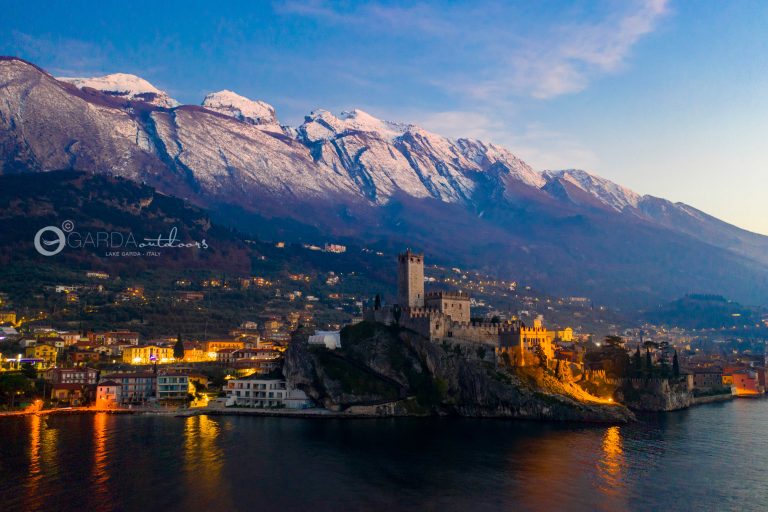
331 339
108 393
264 393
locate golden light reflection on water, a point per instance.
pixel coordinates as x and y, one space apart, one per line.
100 472
42 454
35 474
612 462
203 464
610 470
585 468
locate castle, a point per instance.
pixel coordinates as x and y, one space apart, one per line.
446 316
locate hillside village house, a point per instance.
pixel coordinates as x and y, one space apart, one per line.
80 357
194 353
213 346
48 353
147 354
87 376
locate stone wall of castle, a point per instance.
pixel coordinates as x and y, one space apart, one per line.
454 304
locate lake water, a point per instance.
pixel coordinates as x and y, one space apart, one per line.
713 457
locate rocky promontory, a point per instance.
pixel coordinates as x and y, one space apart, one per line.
396 372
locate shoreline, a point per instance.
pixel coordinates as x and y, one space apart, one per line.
311 413
711 399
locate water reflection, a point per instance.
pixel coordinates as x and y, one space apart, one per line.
610 470
100 474
203 464
42 455
35 473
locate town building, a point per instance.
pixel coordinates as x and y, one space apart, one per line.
47 353
108 394
707 379
73 394
194 352
212 346
135 388
745 383
264 393
84 376
174 387
121 338
81 357
147 354
225 355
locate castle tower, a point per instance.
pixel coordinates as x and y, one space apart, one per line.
410 280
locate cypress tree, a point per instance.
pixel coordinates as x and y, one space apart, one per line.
648 362
637 362
178 348
675 365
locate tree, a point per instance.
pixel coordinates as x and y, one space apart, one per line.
178 348
13 384
28 370
675 365
648 361
541 355
637 362
396 312
377 302
664 367
614 342
648 344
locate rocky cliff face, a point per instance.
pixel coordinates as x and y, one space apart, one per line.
406 374
654 395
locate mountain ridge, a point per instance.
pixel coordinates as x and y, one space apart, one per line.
360 177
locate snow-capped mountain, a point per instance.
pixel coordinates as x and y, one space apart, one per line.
241 108
356 177
604 191
123 85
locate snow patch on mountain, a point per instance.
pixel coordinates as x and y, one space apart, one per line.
608 192
486 154
232 104
124 85
322 125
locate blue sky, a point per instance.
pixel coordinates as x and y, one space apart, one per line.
667 98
